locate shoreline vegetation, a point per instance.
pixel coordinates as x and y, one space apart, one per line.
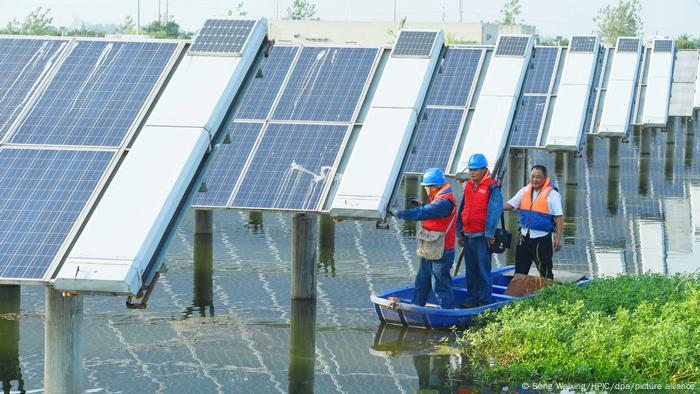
635 330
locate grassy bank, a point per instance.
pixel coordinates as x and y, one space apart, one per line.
623 329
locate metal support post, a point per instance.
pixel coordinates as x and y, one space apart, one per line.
63 355
303 256
203 222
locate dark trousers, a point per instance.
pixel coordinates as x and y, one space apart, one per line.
537 250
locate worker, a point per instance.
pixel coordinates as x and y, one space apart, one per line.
438 215
541 215
477 218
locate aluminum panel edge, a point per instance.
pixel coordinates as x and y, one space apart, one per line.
658 92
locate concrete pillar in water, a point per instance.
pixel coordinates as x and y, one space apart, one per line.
302 346
255 221
202 276
570 193
326 244
689 150
9 344
676 124
559 159
644 158
63 354
516 178
571 175
303 257
412 188
203 222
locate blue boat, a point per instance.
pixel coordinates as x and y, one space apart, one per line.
394 306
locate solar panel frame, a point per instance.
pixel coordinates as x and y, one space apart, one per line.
627 44
414 43
583 44
436 133
58 226
98 114
455 80
665 46
266 182
592 105
222 37
514 46
540 72
527 123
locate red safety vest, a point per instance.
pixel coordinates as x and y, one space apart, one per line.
440 224
475 205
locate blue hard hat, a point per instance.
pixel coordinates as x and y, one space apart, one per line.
477 160
433 177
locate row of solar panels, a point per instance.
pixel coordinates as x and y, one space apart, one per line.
94 171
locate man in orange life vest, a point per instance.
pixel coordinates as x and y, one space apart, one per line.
541 215
437 215
477 219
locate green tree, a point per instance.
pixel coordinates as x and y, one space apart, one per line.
509 12
127 26
684 41
302 10
165 29
394 33
622 19
38 22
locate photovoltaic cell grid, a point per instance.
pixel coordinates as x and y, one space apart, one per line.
96 95
42 193
539 74
512 46
227 165
222 37
270 73
455 77
582 44
594 91
414 43
627 44
291 167
663 45
326 84
527 121
435 135
23 62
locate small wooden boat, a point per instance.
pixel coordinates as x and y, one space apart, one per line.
394 306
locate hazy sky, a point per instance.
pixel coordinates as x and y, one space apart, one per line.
563 17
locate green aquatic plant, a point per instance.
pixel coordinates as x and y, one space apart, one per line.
624 329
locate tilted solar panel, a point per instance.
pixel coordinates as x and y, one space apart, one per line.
326 84
583 44
96 94
511 46
663 45
270 73
453 82
627 44
227 165
222 37
291 167
42 194
23 63
414 43
434 138
528 118
539 75
591 98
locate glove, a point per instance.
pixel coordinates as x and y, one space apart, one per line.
415 201
393 211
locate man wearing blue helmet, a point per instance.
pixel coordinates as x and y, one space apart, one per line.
477 219
439 216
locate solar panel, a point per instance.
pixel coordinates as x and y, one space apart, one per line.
454 80
222 37
582 44
414 43
96 94
263 89
326 84
23 62
663 45
627 44
291 167
512 46
227 165
42 194
591 98
528 119
434 138
539 75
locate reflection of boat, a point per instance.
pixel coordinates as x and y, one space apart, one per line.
394 306
390 341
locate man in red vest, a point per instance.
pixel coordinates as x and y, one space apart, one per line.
437 215
541 215
477 219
